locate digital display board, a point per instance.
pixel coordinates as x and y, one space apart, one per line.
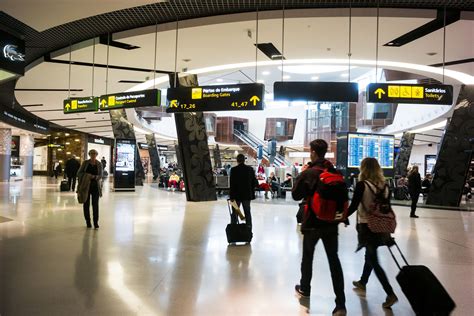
316 91
360 146
125 160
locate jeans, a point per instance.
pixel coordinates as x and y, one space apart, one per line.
329 237
94 193
372 263
414 200
248 215
71 181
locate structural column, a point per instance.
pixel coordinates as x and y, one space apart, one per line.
27 144
5 153
455 153
401 162
154 156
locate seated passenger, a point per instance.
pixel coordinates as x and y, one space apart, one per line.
288 183
173 181
262 184
274 183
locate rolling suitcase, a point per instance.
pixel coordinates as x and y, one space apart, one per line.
64 186
426 294
237 232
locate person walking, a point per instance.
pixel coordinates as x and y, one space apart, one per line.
57 169
71 168
90 187
242 188
414 188
314 229
371 180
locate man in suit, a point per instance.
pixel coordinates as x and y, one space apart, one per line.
242 187
72 166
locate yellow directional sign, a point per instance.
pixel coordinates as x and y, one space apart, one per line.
379 92
409 93
254 100
234 97
76 105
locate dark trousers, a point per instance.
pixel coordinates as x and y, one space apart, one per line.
414 200
94 196
372 263
329 238
71 181
248 216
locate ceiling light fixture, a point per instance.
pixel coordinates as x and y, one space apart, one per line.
313 69
219 80
344 75
286 77
265 73
314 78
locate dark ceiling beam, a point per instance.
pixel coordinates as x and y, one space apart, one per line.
48 59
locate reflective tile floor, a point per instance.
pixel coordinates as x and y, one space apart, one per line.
156 254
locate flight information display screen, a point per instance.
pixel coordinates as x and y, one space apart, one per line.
361 146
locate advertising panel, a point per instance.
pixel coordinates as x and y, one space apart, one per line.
125 160
12 53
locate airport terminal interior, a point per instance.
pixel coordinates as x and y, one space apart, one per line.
147 110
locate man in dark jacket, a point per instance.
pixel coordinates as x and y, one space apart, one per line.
242 187
314 229
72 166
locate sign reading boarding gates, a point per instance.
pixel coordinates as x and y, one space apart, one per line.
236 97
410 93
76 105
133 99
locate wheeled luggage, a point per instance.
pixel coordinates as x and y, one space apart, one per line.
399 193
426 294
64 186
237 232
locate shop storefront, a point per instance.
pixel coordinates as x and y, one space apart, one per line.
104 147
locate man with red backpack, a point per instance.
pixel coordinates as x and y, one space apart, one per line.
326 194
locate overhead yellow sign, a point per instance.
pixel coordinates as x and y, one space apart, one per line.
409 93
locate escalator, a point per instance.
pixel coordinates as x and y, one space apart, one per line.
253 142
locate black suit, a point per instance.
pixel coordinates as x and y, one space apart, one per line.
72 166
242 189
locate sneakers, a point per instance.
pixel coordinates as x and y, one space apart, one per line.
359 285
339 311
300 292
390 300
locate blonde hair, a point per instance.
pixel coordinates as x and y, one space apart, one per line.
370 170
413 169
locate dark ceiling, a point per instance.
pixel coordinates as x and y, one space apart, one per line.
41 43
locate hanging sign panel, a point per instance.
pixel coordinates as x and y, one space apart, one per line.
410 93
235 97
76 105
316 91
133 99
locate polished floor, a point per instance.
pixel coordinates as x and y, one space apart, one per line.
156 254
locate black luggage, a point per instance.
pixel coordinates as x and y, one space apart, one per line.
300 213
399 193
64 186
237 232
426 294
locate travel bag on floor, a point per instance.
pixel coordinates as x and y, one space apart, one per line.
64 186
426 294
237 232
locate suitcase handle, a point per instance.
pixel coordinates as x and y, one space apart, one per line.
230 210
401 254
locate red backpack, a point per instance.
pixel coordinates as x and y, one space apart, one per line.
330 201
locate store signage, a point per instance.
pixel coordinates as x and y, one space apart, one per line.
410 93
162 147
23 121
76 105
133 99
56 146
236 97
316 91
99 141
142 146
12 53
